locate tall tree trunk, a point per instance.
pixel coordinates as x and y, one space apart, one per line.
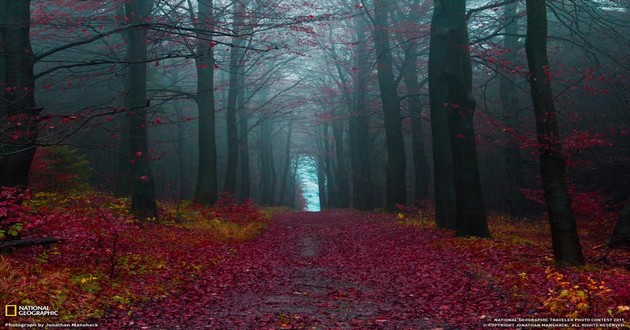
123 168
341 173
206 190
321 185
358 129
410 76
267 168
17 92
420 165
143 203
245 190
180 145
621 233
234 90
293 185
566 244
342 187
322 174
181 154
332 196
516 201
396 191
244 156
286 169
471 214
444 184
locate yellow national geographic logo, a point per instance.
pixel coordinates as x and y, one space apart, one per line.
10 310
15 310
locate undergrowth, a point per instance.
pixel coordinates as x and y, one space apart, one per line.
106 259
518 262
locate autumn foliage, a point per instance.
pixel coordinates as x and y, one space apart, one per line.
343 269
105 259
222 266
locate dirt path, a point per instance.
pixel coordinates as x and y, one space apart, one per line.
304 295
310 271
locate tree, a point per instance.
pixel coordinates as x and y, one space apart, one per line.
396 190
286 167
143 203
414 101
17 104
340 101
206 190
459 203
358 128
235 88
444 186
566 244
243 125
123 169
512 108
325 169
461 106
621 233
267 163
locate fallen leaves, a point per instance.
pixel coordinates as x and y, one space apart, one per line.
334 269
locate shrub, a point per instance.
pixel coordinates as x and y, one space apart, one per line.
59 168
12 212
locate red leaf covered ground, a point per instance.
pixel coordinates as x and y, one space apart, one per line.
343 269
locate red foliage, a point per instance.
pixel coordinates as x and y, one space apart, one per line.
89 240
90 234
363 270
123 258
335 269
590 205
227 208
12 212
581 140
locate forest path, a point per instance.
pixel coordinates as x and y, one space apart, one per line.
303 294
324 270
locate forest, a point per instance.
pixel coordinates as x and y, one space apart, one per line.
300 164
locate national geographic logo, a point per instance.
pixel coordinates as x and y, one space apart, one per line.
15 310
10 310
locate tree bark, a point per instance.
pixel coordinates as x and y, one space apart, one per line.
566 244
621 234
286 169
17 93
331 192
143 204
293 185
341 172
245 190
321 185
471 214
421 168
123 169
517 204
342 184
444 184
267 168
182 187
420 165
358 129
396 190
206 189
235 85
28 242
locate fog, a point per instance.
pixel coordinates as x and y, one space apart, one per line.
290 103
